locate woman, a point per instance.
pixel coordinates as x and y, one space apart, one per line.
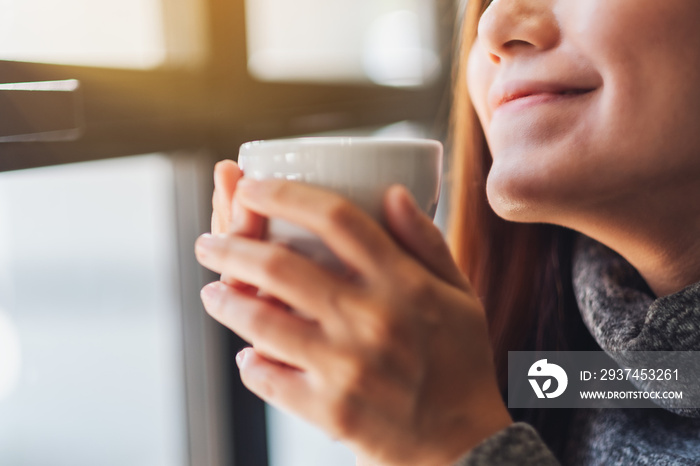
584 135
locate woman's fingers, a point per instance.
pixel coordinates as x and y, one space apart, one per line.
270 328
349 232
245 222
226 175
228 215
278 384
249 225
284 387
306 286
417 233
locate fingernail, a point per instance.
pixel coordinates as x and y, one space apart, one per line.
217 174
206 241
210 293
216 177
240 357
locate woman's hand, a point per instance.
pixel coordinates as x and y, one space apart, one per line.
395 363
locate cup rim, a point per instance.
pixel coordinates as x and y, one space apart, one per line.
341 141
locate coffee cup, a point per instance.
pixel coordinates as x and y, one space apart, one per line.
360 169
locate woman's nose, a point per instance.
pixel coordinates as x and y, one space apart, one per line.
511 27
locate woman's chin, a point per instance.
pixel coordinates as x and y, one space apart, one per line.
519 199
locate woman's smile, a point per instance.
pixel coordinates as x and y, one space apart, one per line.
538 106
527 101
517 91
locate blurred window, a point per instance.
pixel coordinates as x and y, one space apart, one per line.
90 322
387 42
122 34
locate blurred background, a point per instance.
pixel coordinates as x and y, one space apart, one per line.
112 115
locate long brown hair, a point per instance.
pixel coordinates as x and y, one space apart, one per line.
522 272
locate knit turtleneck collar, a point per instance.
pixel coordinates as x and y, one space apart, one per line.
622 312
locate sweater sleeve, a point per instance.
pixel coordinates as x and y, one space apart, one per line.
517 445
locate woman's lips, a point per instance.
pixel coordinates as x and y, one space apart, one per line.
526 93
528 100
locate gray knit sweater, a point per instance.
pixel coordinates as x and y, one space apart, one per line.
621 314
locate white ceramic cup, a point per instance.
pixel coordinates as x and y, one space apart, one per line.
358 168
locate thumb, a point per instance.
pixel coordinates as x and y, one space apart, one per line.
226 175
419 236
